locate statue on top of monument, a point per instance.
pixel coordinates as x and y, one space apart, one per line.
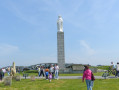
60 24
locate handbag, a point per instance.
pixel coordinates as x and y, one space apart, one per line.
92 77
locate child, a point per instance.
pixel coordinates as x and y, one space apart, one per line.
50 76
46 73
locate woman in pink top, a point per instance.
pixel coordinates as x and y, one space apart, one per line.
87 76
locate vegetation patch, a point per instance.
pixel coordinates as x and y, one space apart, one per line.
64 84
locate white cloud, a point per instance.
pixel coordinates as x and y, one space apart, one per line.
6 49
86 48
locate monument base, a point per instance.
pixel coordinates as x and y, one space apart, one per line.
61 71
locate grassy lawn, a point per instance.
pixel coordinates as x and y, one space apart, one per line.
72 74
70 84
80 74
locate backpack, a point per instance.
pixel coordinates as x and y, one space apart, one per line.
92 77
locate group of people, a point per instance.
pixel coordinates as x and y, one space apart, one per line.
2 72
49 73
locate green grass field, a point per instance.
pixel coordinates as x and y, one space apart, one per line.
72 74
70 84
80 74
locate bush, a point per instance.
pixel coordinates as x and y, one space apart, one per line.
103 67
31 71
25 69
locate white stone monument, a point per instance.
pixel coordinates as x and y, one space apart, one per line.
13 70
60 44
14 67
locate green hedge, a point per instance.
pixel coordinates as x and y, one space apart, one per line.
103 67
31 71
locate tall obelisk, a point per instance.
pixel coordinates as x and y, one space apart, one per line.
60 44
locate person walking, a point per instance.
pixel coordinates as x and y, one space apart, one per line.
56 71
50 76
46 73
52 71
113 68
87 76
117 69
4 71
39 71
42 71
1 74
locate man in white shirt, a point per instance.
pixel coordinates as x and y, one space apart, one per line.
117 69
112 66
56 71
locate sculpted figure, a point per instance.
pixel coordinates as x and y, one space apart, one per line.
12 73
13 70
60 24
14 67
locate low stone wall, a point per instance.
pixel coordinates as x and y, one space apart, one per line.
77 68
94 70
70 70
67 70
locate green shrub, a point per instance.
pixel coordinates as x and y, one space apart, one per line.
31 71
103 67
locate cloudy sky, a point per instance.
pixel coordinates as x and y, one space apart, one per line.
28 31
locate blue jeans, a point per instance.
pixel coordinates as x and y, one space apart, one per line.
8 73
92 83
39 73
56 74
88 83
46 74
